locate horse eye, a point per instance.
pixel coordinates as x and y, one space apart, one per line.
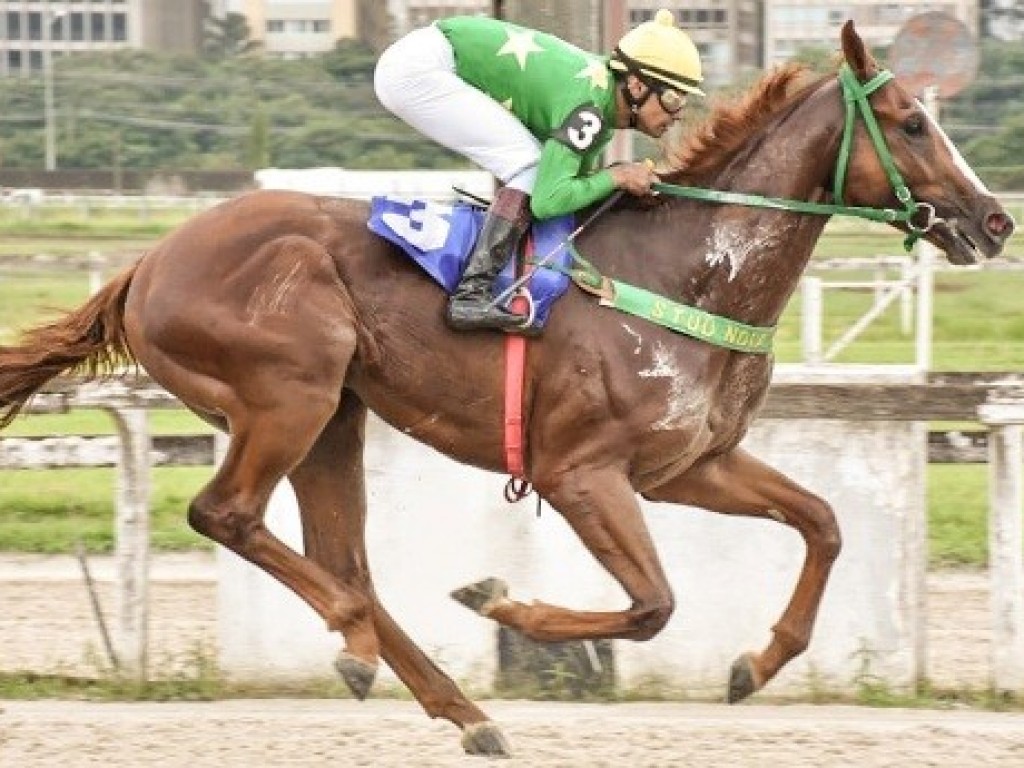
914 126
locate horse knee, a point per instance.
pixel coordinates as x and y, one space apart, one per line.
223 522
652 619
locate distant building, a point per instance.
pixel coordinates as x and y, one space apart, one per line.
792 25
292 29
409 14
30 28
726 32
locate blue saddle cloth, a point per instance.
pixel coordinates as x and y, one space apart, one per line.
440 236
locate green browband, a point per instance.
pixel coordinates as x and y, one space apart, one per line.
681 318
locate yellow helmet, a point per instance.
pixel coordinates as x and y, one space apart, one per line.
661 50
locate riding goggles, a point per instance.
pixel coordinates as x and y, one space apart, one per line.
671 100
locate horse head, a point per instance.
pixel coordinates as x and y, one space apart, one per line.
949 205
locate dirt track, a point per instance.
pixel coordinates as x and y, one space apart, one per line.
46 625
391 733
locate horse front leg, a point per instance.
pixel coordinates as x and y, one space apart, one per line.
603 510
736 483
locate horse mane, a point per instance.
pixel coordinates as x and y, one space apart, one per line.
705 150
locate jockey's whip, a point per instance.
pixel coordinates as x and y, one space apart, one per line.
502 297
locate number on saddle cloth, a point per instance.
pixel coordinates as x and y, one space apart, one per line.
440 236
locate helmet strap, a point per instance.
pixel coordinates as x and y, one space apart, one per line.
634 103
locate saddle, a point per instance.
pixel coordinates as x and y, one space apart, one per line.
439 237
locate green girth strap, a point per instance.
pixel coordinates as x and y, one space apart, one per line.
681 318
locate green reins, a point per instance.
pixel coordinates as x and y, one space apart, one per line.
855 98
722 331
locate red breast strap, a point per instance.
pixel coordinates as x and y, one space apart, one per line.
515 367
515 370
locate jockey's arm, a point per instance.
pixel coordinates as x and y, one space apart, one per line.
563 186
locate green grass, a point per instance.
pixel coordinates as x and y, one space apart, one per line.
48 511
97 422
33 298
96 222
957 515
53 245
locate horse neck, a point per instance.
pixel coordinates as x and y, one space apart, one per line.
739 261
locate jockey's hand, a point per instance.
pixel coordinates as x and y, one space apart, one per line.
635 178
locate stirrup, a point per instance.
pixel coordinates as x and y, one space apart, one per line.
531 308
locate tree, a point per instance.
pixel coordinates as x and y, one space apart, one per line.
374 24
259 141
227 36
1002 19
350 60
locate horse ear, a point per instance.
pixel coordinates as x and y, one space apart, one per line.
857 56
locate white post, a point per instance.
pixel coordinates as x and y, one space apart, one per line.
132 540
1006 562
880 287
95 272
906 296
810 318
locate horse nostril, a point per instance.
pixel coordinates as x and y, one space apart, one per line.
999 224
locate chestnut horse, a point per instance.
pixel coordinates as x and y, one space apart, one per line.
280 318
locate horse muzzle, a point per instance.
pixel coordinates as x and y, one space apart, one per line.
968 239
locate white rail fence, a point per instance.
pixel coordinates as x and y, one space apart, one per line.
799 404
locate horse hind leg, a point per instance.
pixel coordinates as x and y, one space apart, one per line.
736 483
330 487
231 508
280 374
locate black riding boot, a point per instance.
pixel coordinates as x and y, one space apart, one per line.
507 221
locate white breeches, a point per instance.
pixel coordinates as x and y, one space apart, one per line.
415 79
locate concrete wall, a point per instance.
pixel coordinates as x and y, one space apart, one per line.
436 525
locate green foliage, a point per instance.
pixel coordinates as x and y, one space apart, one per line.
259 142
818 59
232 109
226 111
987 118
227 36
350 60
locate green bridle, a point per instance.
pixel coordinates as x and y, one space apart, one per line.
855 98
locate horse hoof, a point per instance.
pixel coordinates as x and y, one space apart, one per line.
482 596
741 678
485 739
357 674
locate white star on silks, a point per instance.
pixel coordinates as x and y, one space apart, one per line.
520 45
597 72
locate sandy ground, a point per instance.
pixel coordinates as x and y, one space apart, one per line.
390 733
45 598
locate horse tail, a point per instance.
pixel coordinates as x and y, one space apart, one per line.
89 341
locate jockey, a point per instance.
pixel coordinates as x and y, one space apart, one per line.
536 112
